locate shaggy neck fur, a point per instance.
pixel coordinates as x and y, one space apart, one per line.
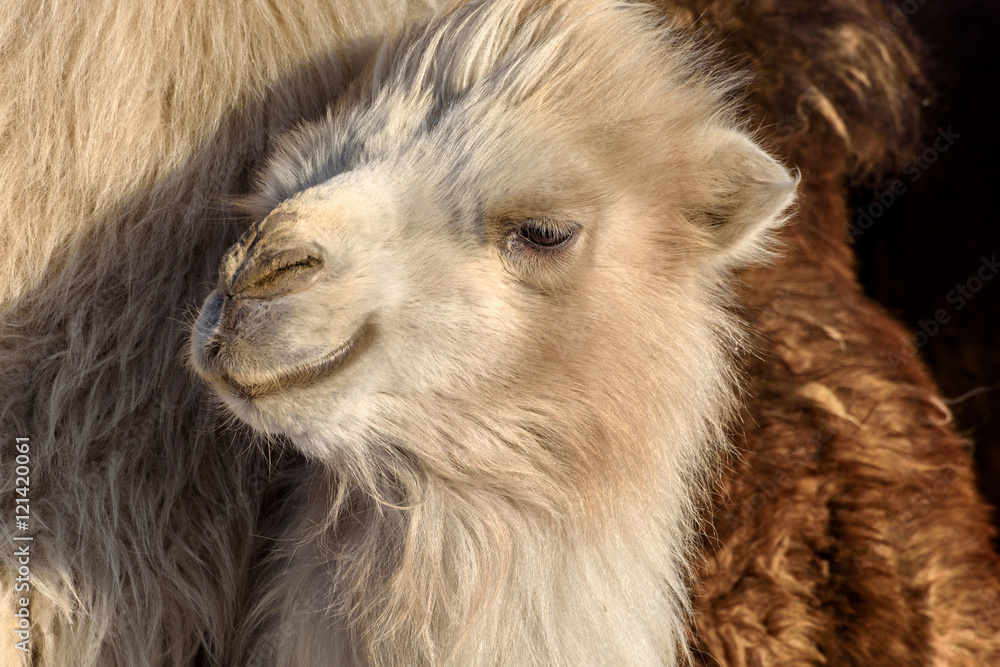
404 556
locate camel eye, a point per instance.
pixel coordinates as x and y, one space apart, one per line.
545 235
539 251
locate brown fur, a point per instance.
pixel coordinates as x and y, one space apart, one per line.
849 531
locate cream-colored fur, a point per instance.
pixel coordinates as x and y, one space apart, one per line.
510 438
123 126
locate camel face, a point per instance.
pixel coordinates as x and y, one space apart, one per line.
354 289
382 284
456 242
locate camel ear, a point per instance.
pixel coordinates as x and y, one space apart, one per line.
745 198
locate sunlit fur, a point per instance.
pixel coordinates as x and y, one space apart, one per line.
509 467
123 126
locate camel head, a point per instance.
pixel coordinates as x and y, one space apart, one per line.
503 253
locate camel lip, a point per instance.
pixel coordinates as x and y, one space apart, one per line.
304 373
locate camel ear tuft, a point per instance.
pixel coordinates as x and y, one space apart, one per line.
745 198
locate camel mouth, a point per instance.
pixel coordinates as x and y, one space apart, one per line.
305 373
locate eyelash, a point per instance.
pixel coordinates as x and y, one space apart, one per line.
542 236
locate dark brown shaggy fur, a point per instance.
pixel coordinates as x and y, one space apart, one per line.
849 531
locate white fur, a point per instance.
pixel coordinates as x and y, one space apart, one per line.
508 473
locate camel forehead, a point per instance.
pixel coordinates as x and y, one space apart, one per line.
469 152
436 183
494 100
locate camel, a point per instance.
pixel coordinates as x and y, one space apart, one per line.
844 529
490 300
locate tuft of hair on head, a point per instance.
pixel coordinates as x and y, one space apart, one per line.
653 108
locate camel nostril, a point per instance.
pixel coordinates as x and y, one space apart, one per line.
274 274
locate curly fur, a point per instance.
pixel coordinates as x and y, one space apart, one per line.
849 530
